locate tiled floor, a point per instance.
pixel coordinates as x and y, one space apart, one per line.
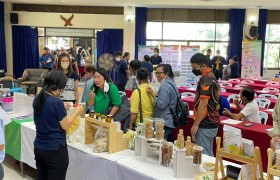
12 170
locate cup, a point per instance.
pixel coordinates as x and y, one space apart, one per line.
84 105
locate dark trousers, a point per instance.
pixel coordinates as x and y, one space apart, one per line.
1 171
169 134
51 165
121 86
218 75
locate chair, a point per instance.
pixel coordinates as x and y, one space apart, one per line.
247 81
233 80
122 93
231 97
188 85
264 117
240 85
32 78
223 90
223 84
187 94
194 86
271 89
267 96
273 83
263 102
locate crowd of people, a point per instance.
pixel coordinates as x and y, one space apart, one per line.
101 95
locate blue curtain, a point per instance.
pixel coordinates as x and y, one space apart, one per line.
25 49
109 41
3 64
140 28
236 22
262 31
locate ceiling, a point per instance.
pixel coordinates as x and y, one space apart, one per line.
211 4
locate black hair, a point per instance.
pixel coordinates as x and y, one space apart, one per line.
90 69
248 92
235 58
199 59
135 64
209 50
142 74
167 69
147 58
218 51
126 54
105 75
157 50
118 53
54 80
70 69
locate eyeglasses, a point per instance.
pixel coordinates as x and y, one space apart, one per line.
157 73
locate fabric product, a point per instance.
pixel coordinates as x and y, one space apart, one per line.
140 28
109 41
69 91
25 49
262 32
251 112
237 18
3 64
13 137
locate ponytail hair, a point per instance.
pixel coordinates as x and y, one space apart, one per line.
54 80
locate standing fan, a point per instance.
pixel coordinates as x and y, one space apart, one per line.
106 61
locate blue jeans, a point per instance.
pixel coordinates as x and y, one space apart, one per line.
204 138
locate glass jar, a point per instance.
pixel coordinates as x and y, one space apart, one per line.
188 146
197 155
109 119
159 124
149 132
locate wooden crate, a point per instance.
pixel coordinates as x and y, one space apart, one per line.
117 142
255 162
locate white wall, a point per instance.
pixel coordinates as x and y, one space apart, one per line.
43 19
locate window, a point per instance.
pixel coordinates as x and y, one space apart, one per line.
207 35
272 46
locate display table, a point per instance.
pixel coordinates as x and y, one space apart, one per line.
84 164
256 133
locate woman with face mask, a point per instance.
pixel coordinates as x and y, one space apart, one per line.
70 93
156 58
51 122
103 94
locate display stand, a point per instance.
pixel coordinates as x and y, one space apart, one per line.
181 161
143 149
254 162
117 142
271 169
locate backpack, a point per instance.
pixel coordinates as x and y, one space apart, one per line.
181 114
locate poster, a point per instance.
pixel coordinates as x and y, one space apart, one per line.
170 55
186 53
251 59
145 50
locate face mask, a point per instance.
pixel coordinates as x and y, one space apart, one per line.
196 72
118 59
64 65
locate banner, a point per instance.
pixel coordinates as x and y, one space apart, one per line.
251 59
170 55
145 50
186 53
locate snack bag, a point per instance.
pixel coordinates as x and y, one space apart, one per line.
101 141
232 140
248 148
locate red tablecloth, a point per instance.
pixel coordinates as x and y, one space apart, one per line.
82 71
256 133
190 101
226 94
256 81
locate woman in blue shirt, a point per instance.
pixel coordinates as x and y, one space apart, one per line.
51 121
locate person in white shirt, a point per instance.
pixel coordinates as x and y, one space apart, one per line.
250 112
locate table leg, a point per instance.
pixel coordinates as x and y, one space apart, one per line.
21 169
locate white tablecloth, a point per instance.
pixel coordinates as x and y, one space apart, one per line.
86 165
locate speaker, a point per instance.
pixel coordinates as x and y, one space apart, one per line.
253 31
14 18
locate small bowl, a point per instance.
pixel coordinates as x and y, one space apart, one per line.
208 166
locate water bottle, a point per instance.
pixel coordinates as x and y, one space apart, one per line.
13 84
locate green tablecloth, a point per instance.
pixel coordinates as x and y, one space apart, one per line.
13 137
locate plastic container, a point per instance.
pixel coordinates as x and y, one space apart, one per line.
159 123
7 104
197 155
149 132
